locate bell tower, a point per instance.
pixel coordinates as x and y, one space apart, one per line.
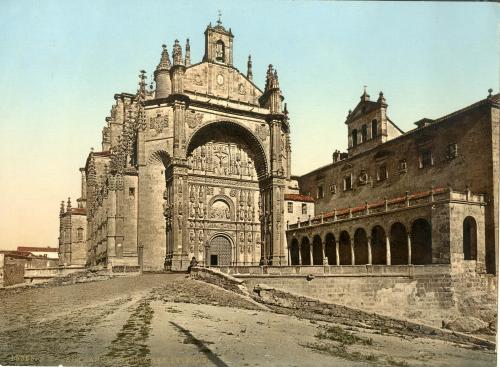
218 44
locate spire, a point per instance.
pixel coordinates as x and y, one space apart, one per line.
271 78
187 60
142 84
177 53
164 60
61 210
365 96
249 68
68 206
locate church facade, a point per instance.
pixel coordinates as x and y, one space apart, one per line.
200 166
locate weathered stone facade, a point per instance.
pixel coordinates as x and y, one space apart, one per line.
197 167
459 151
72 234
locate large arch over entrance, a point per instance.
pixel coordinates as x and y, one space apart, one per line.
220 251
399 244
421 242
317 251
379 250
220 131
470 238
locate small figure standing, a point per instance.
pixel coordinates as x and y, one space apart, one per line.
192 264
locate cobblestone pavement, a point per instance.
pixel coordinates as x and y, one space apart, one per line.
171 320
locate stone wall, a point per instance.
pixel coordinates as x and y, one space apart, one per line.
421 293
11 270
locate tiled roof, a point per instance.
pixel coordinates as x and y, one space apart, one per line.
298 197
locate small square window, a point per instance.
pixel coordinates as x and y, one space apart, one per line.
131 192
304 208
403 166
426 159
333 189
452 151
290 207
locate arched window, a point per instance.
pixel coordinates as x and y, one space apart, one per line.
360 247
374 128
305 251
317 251
79 234
354 137
421 242
330 251
470 239
379 251
345 249
220 51
399 244
294 252
364 133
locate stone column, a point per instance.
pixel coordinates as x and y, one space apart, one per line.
388 250
311 253
300 254
369 244
353 260
337 254
409 248
325 259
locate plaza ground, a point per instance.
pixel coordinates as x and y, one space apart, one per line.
172 320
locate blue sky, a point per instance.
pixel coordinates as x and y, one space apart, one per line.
62 61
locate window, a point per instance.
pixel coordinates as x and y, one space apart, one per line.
426 159
403 166
347 183
364 133
333 189
290 207
131 192
452 151
354 137
374 128
304 208
79 234
320 192
219 51
382 172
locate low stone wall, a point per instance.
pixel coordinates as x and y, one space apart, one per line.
37 274
308 307
423 293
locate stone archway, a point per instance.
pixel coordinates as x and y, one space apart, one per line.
220 251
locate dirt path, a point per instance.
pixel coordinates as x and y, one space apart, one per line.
171 320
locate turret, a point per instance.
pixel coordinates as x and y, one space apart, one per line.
161 75
272 95
68 206
177 69
61 209
249 68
